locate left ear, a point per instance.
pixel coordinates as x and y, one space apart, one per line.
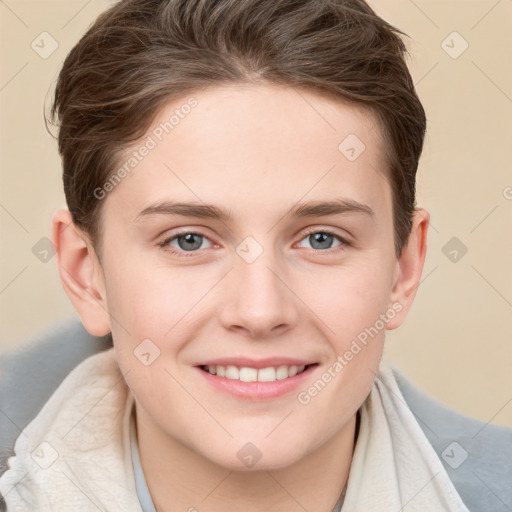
409 268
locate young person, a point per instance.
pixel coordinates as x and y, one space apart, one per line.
240 178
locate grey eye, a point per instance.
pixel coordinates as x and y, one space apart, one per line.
322 240
188 241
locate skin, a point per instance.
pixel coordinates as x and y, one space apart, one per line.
254 151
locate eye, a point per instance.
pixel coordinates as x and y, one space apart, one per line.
323 240
188 243
185 242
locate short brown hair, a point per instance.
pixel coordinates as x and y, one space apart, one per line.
140 54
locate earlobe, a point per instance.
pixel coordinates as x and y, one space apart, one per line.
409 267
81 273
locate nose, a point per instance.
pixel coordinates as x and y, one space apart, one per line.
258 300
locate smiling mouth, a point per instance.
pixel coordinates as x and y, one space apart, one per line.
248 374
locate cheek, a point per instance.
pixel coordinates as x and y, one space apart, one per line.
350 298
354 313
149 299
155 312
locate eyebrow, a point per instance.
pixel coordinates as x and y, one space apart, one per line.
301 209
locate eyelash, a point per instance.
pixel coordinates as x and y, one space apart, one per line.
186 254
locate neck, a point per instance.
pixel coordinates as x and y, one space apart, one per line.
181 479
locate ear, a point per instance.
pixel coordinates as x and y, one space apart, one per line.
81 273
409 267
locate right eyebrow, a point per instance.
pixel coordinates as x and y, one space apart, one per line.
186 210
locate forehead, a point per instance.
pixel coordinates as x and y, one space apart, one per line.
253 147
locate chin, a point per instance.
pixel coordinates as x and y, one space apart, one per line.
256 455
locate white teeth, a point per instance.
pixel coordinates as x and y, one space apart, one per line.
246 374
292 371
281 372
267 374
232 373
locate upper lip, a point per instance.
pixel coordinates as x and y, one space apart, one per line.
241 362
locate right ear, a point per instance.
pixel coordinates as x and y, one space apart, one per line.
81 273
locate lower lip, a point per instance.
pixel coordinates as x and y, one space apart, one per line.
257 391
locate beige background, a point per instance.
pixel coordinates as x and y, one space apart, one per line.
456 342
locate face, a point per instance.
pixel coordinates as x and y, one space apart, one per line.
250 238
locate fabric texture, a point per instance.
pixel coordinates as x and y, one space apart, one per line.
31 373
76 454
394 466
476 455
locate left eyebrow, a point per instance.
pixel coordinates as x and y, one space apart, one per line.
308 209
323 208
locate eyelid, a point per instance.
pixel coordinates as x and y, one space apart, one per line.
165 242
344 242
327 230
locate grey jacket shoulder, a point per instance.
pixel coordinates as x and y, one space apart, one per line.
476 455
